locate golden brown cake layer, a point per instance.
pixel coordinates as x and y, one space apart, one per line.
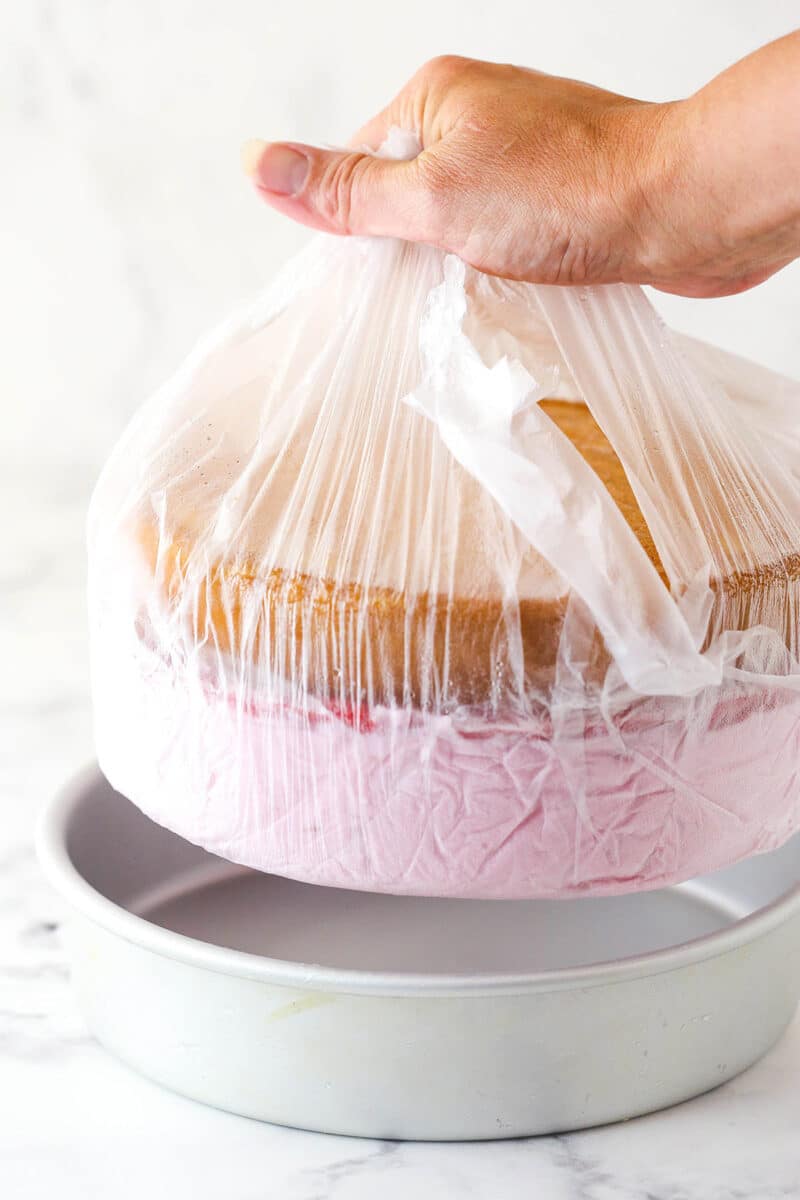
357 644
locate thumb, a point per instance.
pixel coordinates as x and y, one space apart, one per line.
348 192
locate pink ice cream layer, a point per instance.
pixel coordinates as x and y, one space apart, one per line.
404 802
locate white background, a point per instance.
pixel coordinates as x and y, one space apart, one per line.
126 228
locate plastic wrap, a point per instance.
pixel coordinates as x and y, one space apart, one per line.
363 614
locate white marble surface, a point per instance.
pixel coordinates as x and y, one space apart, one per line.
125 230
77 1125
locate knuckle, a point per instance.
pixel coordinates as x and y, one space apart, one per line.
434 180
444 85
337 191
445 67
435 191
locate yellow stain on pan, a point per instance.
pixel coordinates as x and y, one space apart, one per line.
301 1005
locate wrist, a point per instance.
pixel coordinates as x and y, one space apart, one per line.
655 191
711 208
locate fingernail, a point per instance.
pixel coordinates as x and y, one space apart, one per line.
251 155
276 168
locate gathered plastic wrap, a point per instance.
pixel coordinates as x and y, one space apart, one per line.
362 613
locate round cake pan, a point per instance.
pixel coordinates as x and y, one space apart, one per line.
401 1017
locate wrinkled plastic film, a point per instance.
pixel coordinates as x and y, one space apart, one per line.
547 489
363 613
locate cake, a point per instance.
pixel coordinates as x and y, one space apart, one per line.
321 647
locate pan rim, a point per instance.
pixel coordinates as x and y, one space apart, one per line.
64 876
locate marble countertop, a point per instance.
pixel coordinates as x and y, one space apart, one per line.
76 1124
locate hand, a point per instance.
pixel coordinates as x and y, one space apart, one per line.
533 177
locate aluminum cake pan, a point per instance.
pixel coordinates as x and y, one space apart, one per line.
401 1017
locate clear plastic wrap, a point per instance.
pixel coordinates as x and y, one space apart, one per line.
364 614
